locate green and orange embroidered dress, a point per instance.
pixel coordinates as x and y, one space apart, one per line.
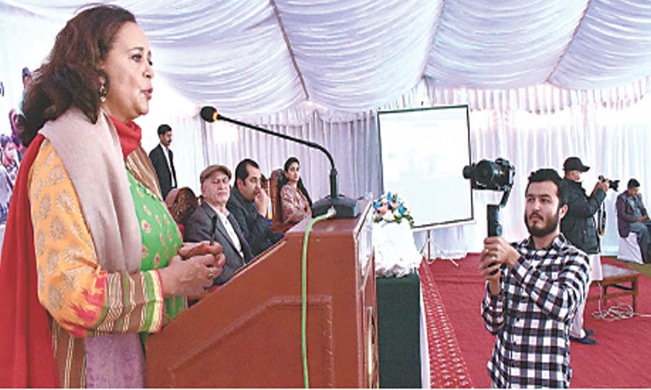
100 231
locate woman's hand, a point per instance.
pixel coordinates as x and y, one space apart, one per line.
193 270
190 249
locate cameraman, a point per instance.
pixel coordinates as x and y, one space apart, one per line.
632 217
533 289
579 228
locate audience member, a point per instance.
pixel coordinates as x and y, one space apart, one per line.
212 221
633 217
181 203
9 157
248 203
162 159
17 123
265 186
97 260
579 228
6 189
27 79
295 202
533 290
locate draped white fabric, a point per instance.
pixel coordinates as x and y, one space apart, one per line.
254 58
545 79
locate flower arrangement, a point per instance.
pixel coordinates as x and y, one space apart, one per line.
389 208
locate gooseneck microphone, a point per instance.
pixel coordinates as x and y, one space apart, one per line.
344 207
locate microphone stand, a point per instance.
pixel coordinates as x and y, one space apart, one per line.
344 207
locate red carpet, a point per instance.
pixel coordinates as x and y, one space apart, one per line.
620 359
447 366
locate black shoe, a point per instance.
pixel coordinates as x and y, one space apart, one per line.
585 340
588 332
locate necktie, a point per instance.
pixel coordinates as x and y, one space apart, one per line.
169 166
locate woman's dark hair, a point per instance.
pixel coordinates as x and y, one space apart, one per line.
282 180
70 76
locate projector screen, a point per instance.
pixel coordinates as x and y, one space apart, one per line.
423 152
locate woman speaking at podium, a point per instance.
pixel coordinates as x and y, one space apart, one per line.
93 257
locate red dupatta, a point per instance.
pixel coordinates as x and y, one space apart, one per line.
26 352
130 135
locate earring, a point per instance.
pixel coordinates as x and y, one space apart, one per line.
103 92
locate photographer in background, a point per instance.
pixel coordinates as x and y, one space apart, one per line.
633 217
579 228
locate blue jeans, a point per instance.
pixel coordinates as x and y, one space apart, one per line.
643 231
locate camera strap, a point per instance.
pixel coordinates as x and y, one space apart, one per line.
601 219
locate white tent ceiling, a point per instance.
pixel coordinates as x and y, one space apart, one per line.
258 57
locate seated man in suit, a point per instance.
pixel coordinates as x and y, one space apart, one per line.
632 217
212 220
249 204
162 159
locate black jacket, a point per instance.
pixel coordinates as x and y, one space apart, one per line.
256 228
158 160
578 225
198 228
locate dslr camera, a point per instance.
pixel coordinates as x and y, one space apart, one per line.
489 175
492 175
614 184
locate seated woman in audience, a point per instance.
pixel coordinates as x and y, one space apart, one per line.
295 202
181 203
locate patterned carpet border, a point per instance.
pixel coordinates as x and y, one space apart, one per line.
447 367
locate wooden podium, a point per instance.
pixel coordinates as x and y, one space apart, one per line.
248 332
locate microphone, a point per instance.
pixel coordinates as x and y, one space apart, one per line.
344 207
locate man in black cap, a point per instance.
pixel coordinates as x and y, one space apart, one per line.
633 217
578 226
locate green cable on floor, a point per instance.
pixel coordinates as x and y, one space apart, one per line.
327 215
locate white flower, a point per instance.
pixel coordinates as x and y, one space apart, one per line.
389 208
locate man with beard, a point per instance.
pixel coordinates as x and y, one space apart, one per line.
533 289
249 205
162 159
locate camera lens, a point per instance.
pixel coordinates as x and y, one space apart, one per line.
467 171
487 171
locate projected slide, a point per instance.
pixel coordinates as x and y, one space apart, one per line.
423 153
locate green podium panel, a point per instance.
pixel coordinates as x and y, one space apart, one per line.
398 307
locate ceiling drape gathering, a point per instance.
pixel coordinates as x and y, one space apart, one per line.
253 58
